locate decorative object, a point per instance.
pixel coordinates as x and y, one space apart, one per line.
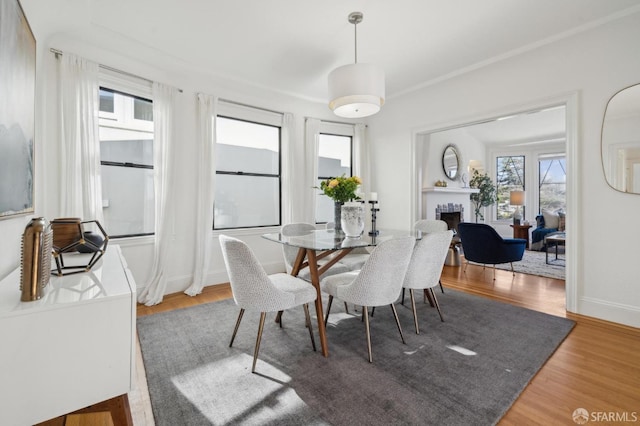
352 218
340 189
374 210
337 216
70 235
486 195
35 269
502 335
620 145
17 91
356 90
516 198
451 162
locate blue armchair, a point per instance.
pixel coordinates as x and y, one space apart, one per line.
482 244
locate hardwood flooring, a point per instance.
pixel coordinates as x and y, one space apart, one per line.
597 367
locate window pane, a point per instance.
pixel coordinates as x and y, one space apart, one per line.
510 177
142 109
553 184
106 101
334 159
243 146
128 151
128 200
334 156
246 201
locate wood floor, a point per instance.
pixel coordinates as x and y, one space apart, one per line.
597 367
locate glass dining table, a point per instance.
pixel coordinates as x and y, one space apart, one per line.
321 243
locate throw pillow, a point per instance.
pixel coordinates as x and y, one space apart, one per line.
561 221
551 219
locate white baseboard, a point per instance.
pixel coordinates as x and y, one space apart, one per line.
609 311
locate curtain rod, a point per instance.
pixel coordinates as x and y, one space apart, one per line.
336 122
228 101
108 68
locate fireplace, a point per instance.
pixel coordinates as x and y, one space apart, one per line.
451 213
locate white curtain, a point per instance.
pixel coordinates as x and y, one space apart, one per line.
311 147
361 165
293 208
163 112
206 138
80 183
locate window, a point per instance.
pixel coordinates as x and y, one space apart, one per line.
247 185
334 159
552 182
126 156
509 177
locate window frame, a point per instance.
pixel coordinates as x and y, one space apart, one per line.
522 186
136 88
253 120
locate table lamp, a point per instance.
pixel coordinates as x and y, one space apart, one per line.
516 198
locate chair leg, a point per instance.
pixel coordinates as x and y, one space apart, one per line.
402 300
326 316
365 313
441 288
512 270
258 339
466 263
308 321
435 300
235 330
395 315
413 308
494 272
346 308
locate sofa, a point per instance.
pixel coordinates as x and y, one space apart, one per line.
547 223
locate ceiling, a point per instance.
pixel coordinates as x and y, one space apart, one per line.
290 46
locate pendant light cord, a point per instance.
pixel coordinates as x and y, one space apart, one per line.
355 38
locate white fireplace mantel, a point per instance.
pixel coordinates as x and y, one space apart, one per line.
446 189
432 196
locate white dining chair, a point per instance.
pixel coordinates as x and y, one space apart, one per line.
378 283
253 289
425 268
428 226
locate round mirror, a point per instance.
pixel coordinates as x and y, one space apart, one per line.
621 141
451 162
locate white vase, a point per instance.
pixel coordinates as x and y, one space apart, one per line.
352 219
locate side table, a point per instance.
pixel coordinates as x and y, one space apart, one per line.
521 231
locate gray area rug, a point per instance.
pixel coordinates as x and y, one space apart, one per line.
533 263
467 370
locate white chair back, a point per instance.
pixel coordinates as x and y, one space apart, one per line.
250 284
427 226
291 230
427 260
380 279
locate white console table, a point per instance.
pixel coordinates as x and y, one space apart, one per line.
70 349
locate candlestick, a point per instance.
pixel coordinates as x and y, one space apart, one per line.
374 210
373 196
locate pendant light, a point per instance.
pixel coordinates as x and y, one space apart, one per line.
356 90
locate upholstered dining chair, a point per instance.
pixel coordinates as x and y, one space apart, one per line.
253 289
427 226
482 244
425 268
378 283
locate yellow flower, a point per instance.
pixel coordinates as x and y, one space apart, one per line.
358 180
333 183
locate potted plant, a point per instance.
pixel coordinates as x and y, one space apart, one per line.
487 194
340 189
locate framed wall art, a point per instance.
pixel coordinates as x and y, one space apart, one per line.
17 110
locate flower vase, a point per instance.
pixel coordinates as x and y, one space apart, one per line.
337 215
352 219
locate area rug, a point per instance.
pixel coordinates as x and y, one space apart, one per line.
466 370
533 263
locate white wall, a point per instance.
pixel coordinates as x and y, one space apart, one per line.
595 64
